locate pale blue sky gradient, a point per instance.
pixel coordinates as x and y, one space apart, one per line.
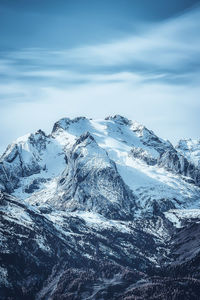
96 58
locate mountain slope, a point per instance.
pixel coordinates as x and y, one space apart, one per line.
95 210
190 149
148 165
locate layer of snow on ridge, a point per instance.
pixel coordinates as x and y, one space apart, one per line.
118 139
98 221
42 243
52 163
49 188
92 219
106 132
172 217
16 214
138 175
48 153
64 138
53 158
190 149
117 136
68 131
177 215
23 139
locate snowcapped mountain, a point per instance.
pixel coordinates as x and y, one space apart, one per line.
95 209
191 150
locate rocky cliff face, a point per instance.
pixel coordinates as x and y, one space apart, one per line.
91 182
175 162
190 149
32 154
99 209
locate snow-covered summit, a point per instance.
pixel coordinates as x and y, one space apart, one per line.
109 131
28 158
94 199
128 161
119 119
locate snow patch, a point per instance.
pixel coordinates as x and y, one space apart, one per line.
4 276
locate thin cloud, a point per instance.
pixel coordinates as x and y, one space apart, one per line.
153 78
169 45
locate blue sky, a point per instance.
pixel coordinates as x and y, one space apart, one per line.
96 58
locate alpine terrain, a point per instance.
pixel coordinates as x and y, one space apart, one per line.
99 209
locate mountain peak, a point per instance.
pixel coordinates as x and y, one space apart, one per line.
96 193
65 122
85 136
119 119
37 159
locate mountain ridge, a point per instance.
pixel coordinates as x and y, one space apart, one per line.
105 197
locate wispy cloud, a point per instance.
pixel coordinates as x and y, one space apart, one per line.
170 45
153 77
